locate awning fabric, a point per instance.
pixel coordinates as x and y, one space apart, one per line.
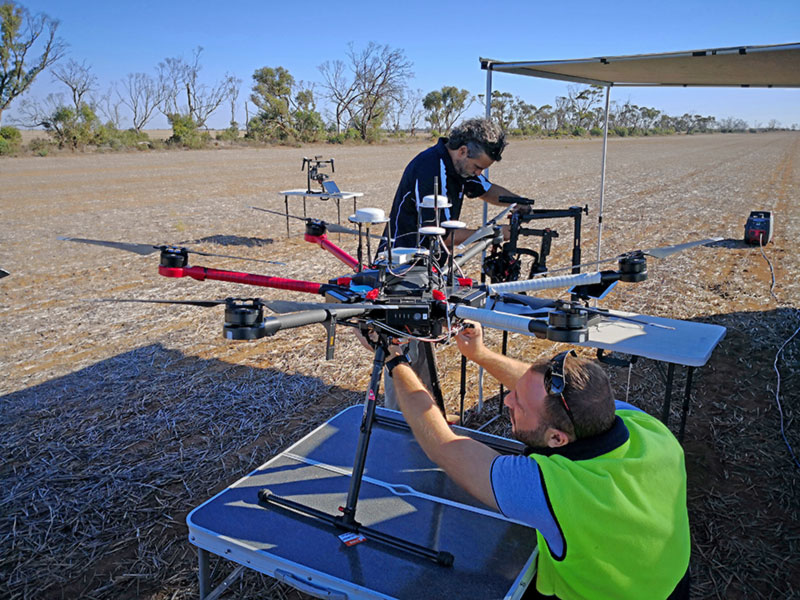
740 66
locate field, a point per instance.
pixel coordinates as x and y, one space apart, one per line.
117 419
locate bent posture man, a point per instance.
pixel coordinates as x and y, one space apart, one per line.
603 483
457 163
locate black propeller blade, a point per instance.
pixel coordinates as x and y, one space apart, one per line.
145 249
661 252
286 306
332 227
201 303
4 273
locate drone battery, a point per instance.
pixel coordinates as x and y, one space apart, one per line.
758 228
414 318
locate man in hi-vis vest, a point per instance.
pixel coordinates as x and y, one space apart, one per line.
603 483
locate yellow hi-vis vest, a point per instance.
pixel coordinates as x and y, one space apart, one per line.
622 515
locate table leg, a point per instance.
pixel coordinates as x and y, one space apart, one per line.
203 572
339 216
668 395
686 399
286 204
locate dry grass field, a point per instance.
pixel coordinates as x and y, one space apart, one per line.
117 419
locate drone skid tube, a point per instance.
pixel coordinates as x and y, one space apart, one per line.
546 283
323 242
499 320
280 283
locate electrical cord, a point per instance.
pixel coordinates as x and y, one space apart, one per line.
778 354
777 394
771 269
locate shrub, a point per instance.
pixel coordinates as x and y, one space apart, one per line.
231 134
40 146
579 131
10 140
185 132
596 131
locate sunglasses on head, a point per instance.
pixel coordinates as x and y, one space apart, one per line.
555 382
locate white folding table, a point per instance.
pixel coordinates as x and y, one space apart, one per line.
304 193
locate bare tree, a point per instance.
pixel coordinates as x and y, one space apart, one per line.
177 77
19 33
340 90
78 78
415 110
142 94
380 74
108 104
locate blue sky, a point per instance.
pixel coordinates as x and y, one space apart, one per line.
443 40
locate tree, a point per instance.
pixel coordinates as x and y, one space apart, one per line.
19 33
78 78
178 78
444 107
142 94
340 91
287 109
379 76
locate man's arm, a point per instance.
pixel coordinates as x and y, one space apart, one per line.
466 461
505 369
493 194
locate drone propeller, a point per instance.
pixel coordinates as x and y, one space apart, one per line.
145 249
4 273
486 230
286 306
332 227
661 252
201 303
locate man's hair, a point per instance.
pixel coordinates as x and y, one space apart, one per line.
588 394
479 136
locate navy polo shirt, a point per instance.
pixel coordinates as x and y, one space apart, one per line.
417 182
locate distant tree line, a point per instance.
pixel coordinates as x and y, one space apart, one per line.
367 96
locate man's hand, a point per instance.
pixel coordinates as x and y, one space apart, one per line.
394 347
470 340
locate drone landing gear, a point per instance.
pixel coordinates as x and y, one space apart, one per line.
347 520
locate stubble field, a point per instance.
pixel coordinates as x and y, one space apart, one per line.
117 419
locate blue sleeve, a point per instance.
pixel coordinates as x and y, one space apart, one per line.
518 491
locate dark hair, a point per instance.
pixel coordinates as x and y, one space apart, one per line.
479 136
588 393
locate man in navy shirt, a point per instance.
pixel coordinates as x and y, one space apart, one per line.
457 163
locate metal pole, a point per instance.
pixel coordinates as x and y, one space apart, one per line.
485 215
603 177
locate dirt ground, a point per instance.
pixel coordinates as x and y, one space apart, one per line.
117 419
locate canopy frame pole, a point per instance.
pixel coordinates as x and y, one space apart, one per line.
603 177
485 219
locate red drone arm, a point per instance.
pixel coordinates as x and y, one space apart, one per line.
323 242
203 273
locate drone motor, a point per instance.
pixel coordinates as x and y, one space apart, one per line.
568 323
173 257
633 267
244 319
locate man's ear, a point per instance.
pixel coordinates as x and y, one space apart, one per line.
555 438
462 151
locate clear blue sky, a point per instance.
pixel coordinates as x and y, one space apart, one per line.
443 40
